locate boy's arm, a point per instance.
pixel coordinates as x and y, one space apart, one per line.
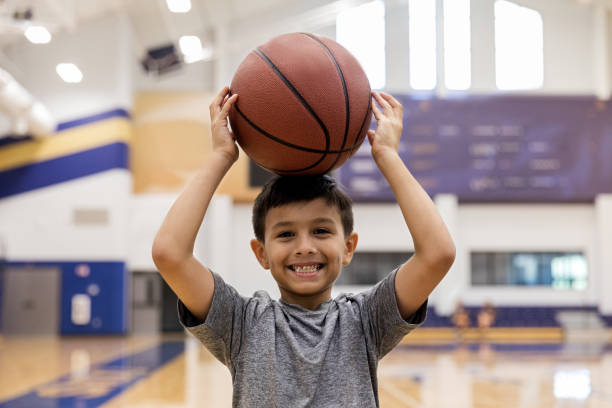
434 250
173 246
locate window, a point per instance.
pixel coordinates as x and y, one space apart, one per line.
457 44
519 47
362 31
368 268
559 270
422 43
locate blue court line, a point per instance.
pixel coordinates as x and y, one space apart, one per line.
102 383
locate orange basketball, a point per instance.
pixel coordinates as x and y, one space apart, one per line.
304 104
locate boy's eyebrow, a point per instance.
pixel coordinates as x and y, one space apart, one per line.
323 219
281 224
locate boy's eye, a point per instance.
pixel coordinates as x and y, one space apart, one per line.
285 234
319 231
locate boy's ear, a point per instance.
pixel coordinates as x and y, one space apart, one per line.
259 250
350 244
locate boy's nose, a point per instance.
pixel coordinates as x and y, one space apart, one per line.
305 246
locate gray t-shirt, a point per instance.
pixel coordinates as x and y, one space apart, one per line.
283 355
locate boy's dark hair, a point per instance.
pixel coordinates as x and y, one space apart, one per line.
291 189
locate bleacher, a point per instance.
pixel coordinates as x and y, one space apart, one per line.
528 316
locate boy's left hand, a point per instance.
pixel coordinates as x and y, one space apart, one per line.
390 123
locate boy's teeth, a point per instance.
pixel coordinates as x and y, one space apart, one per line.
306 269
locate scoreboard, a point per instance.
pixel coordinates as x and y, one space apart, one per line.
497 149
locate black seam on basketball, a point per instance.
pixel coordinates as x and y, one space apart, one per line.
284 142
263 132
278 171
298 95
346 97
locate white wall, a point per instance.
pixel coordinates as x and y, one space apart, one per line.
197 76
40 225
603 238
246 273
146 213
562 227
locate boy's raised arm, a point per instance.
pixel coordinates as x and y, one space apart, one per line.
434 250
173 246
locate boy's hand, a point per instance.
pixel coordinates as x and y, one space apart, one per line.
389 130
223 140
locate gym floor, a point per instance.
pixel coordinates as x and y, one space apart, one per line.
426 371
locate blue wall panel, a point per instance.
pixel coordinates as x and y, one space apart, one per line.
107 286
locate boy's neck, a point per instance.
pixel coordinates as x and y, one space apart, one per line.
310 302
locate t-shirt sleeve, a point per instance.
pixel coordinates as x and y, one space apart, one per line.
384 321
222 330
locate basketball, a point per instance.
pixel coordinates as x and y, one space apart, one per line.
304 104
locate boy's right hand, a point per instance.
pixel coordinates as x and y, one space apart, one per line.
223 140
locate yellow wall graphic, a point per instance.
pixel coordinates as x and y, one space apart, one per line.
171 140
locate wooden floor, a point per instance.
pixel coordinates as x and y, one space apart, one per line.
155 371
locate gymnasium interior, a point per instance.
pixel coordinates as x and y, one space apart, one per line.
104 117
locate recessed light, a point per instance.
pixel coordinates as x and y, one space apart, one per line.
69 72
179 6
37 34
191 47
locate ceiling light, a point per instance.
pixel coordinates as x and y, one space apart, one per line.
37 34
69 72
191 47
179 6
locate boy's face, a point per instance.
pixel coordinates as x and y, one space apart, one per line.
305 249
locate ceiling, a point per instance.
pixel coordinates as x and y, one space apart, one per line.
151 20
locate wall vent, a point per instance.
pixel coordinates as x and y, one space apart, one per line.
90 216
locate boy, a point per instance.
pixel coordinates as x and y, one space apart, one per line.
306 350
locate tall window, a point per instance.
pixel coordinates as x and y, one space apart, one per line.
519 47
362 31
457 44
422 43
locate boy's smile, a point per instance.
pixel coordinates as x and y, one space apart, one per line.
305 248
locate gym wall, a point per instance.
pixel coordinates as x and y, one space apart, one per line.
166 128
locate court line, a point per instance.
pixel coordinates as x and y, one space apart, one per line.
101 382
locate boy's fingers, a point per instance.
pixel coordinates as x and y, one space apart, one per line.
219 98
382 102
217 101
377 113
391 100
223 92
228 104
